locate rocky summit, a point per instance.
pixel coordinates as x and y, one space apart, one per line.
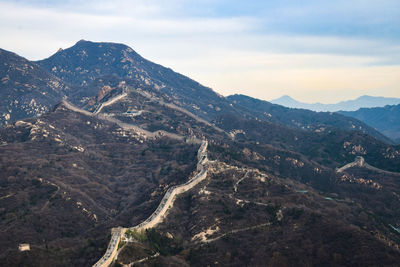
108 159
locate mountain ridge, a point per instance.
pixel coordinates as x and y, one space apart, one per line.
302 118
364 101
96 71
99 59
385 119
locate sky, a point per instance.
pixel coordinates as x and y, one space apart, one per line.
314 51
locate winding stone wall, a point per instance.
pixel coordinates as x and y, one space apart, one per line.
159 214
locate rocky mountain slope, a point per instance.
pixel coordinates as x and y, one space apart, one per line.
86 62
385 119
67 177
272 195
262 220
95 72
93 65
302 118
26 89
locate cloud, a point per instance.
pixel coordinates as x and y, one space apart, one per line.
316 77
310 85
361 18
46 23
262 47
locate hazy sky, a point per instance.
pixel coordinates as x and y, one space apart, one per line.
311 50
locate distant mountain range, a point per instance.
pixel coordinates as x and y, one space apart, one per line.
384 119
301 118
349 105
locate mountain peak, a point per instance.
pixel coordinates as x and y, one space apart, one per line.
92 60
285 100
84 42
81 41
104 45
366 97
286 97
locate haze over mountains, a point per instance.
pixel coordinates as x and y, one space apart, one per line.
348 105
128 130
380 113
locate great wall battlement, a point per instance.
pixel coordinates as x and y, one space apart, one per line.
159 214
360 162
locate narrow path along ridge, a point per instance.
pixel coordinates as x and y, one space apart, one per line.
167 201
183 110
109 102
123 125
237 231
